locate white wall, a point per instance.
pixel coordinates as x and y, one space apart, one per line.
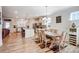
65 14
1 29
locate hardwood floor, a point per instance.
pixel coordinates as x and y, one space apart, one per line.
14 43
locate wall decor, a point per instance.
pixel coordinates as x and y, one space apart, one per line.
58 19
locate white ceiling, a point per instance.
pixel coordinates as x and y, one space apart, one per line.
30 11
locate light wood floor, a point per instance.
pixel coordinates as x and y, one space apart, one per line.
14 43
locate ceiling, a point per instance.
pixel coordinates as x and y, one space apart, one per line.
30 11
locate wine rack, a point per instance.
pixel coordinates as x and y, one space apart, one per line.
72 39
74 36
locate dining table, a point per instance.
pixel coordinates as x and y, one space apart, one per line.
53 36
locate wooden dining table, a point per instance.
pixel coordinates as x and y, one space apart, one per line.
53 36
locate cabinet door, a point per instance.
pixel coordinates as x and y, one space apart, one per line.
77 36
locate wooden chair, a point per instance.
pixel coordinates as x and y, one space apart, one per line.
38 36
42 39
45 40
58 42
63 42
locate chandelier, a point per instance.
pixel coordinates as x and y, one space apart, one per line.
46 19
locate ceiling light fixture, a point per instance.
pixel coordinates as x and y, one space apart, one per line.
46 11
46 19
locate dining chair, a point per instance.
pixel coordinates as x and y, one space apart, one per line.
42 39
58 42
63 41
38 36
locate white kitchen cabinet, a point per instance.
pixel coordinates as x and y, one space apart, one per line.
29 33
77 36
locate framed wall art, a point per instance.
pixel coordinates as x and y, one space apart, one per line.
58 19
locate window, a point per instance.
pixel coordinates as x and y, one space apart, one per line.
74 16
21 23
7 25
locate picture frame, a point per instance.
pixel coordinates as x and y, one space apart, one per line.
58 19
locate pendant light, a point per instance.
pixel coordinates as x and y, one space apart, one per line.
46 19
46 11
